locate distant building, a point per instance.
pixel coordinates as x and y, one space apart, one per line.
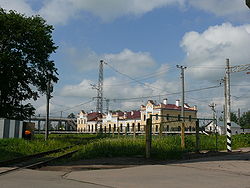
221 129
122 121
168 116
89 122
135 120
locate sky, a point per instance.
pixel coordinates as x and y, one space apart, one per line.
142 41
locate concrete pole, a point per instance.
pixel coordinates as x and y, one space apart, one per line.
228 103
182 107
39 125
47 109
197 136
238 116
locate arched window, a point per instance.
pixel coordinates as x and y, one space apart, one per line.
128 127
121 128
109 127
139 127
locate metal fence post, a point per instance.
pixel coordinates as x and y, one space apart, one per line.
161 129
134 134
197 136
126 131
148 137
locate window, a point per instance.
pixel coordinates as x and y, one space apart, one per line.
121 127
139 128
167 116
133 127
179 117
144 118
190 117
156 117
109 127
128 127
92 128
156 128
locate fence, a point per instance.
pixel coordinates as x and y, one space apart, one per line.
182 125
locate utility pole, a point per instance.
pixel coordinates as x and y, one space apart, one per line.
228 107
237 68
39 125
182 106
212 106
107 106
47 110
238 116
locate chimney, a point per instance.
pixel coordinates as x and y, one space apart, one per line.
195 107
165 101
177 102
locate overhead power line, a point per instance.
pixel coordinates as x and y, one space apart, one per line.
142 83
143 77
153 96
66 109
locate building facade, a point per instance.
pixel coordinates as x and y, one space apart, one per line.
165 118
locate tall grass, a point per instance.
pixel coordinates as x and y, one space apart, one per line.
12 147
168 147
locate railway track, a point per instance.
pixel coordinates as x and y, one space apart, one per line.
36 160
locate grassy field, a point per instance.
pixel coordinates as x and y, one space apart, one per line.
162 147
94 146
12 147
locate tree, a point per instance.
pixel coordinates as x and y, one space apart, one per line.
71 115
25 47
245 120
234 117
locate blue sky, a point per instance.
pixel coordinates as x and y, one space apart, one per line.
144 37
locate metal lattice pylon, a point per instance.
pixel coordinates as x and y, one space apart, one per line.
99 106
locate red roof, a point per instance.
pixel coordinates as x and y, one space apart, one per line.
173 107
93 116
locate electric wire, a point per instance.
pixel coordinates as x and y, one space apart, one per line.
142 83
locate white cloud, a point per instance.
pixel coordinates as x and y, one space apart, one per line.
206 52
20 6
60 11
236 9
126 61
129 62
83 90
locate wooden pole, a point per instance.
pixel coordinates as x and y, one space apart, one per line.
161 129
113 131
134 135
148 137
197 136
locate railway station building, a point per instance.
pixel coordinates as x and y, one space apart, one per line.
165 118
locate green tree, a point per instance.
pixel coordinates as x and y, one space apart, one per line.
234 117
25 66
72 115
245 120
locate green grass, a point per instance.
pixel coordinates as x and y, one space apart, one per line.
167 147
162 147
11 148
